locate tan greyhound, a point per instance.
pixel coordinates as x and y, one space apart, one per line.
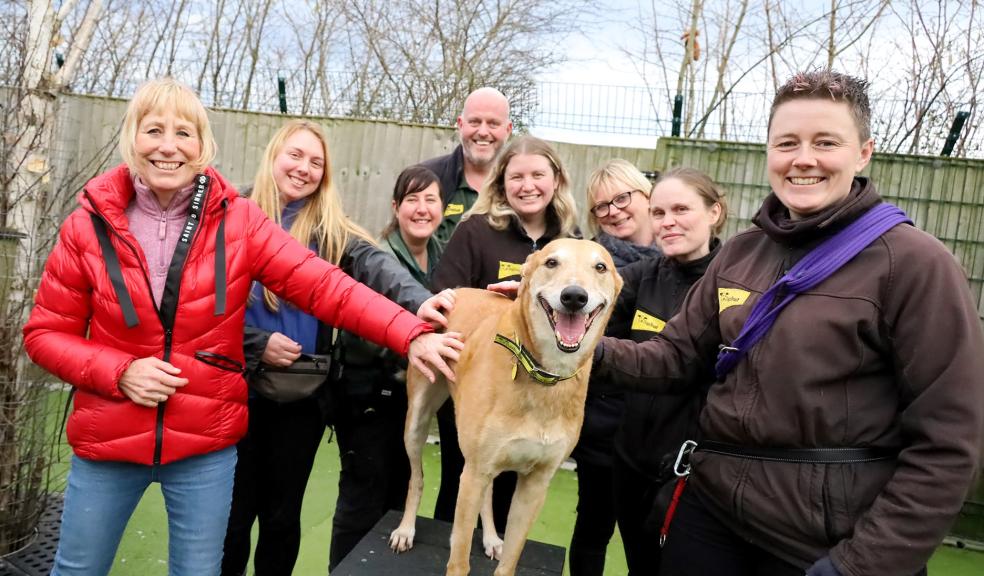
519 398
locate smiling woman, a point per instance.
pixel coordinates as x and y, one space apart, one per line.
168 150
140 309
171 140
530 185
688 211
299 166
417 213
842 388
814 150
295 188
618 194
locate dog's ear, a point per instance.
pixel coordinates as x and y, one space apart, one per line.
532 261
618 281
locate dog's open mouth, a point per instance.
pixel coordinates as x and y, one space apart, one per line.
569 329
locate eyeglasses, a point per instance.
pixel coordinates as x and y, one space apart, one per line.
620 201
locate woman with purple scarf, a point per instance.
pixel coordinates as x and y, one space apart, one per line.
845 424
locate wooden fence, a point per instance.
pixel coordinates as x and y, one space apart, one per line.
944 196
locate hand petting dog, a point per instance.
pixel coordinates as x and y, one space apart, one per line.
433 350
435 308
509 288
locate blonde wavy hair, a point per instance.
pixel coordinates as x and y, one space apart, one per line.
492 198
166 95
321 219
615 172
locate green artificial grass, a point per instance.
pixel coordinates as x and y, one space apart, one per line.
144 547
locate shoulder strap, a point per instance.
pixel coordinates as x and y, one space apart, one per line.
115 272
172 284
812 269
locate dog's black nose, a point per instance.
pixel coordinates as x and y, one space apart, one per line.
574 298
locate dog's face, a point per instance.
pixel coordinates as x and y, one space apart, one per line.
568 290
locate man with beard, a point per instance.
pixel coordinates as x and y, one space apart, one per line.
483 127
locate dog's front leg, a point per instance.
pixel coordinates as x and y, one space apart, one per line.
490 537
423 401
531 491
471 494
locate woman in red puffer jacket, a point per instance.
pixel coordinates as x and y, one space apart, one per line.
141 309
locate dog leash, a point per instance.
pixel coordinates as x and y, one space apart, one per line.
529 364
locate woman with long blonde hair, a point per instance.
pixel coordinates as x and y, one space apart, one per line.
281 180
294 187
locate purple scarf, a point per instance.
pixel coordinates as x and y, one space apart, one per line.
811 270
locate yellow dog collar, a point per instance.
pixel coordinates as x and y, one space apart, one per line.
529 364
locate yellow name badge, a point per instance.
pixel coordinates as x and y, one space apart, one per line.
507 269
648 322
454 209
728 297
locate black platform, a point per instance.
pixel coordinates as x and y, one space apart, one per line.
38 556
429 556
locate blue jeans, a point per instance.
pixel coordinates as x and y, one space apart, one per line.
101 496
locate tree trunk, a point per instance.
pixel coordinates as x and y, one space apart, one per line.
28 119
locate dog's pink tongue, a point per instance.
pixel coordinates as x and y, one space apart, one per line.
570 327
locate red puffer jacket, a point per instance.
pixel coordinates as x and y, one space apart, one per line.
81 333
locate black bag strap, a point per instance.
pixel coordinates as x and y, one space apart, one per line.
220 264
115 271
68 408
325 342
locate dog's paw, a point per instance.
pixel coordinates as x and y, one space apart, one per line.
493 546
401 539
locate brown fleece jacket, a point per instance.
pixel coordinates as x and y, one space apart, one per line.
886 352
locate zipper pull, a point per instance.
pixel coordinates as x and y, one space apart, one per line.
162 227
167 344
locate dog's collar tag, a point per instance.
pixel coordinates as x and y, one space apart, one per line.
530 365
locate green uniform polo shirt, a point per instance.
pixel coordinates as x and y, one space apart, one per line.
461 201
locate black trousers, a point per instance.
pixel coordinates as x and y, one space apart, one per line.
375 470
452 464
638 522
275 460
595 522
698 544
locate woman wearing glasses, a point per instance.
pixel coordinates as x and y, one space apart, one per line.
618 194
